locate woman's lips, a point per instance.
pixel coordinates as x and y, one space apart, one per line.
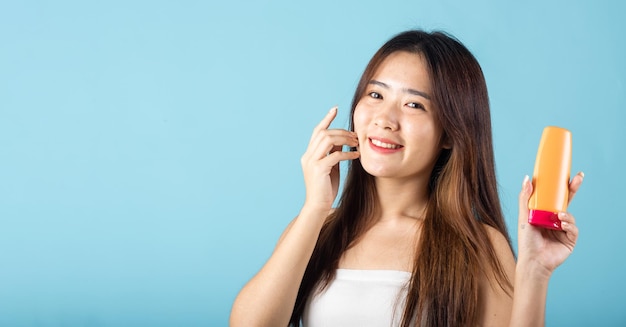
384 145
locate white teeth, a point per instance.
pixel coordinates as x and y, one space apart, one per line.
384 145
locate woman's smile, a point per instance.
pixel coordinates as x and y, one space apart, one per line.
384 145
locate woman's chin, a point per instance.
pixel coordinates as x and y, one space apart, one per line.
379 170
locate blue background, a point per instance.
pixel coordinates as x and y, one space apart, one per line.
149 150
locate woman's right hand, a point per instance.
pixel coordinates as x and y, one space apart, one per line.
320 162
276 285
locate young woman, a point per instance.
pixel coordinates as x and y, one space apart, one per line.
418 237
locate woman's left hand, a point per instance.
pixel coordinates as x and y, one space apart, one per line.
546 248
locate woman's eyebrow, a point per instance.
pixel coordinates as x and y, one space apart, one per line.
406 90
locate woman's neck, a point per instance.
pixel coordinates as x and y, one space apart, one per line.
401 198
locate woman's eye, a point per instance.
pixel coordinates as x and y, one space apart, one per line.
416 105
375 95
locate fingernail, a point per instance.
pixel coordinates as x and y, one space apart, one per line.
562 215
526 179
333 109
581 174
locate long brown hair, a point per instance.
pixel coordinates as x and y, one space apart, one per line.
463 195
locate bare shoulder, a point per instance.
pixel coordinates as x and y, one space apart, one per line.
499 241
502 250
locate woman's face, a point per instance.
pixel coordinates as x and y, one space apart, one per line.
399 135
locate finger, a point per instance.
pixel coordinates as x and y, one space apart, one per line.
574 185
319 135
567 217
323 124
337 132
569 227
335 148
524 196
335 157
326 136
330 116
330 142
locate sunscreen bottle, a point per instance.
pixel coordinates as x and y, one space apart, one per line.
551 178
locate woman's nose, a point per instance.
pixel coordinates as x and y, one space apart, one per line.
386 117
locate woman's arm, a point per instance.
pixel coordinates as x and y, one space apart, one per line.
540 251
495 302
269 297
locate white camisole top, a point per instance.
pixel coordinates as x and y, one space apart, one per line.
360 298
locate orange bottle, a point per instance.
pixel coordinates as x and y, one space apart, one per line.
551 178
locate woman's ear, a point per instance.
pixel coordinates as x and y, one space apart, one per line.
446 142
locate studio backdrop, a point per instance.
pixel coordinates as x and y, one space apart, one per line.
150 150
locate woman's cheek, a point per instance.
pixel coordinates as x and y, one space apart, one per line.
359 117
360 130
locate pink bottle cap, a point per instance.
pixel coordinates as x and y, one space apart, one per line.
546 219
